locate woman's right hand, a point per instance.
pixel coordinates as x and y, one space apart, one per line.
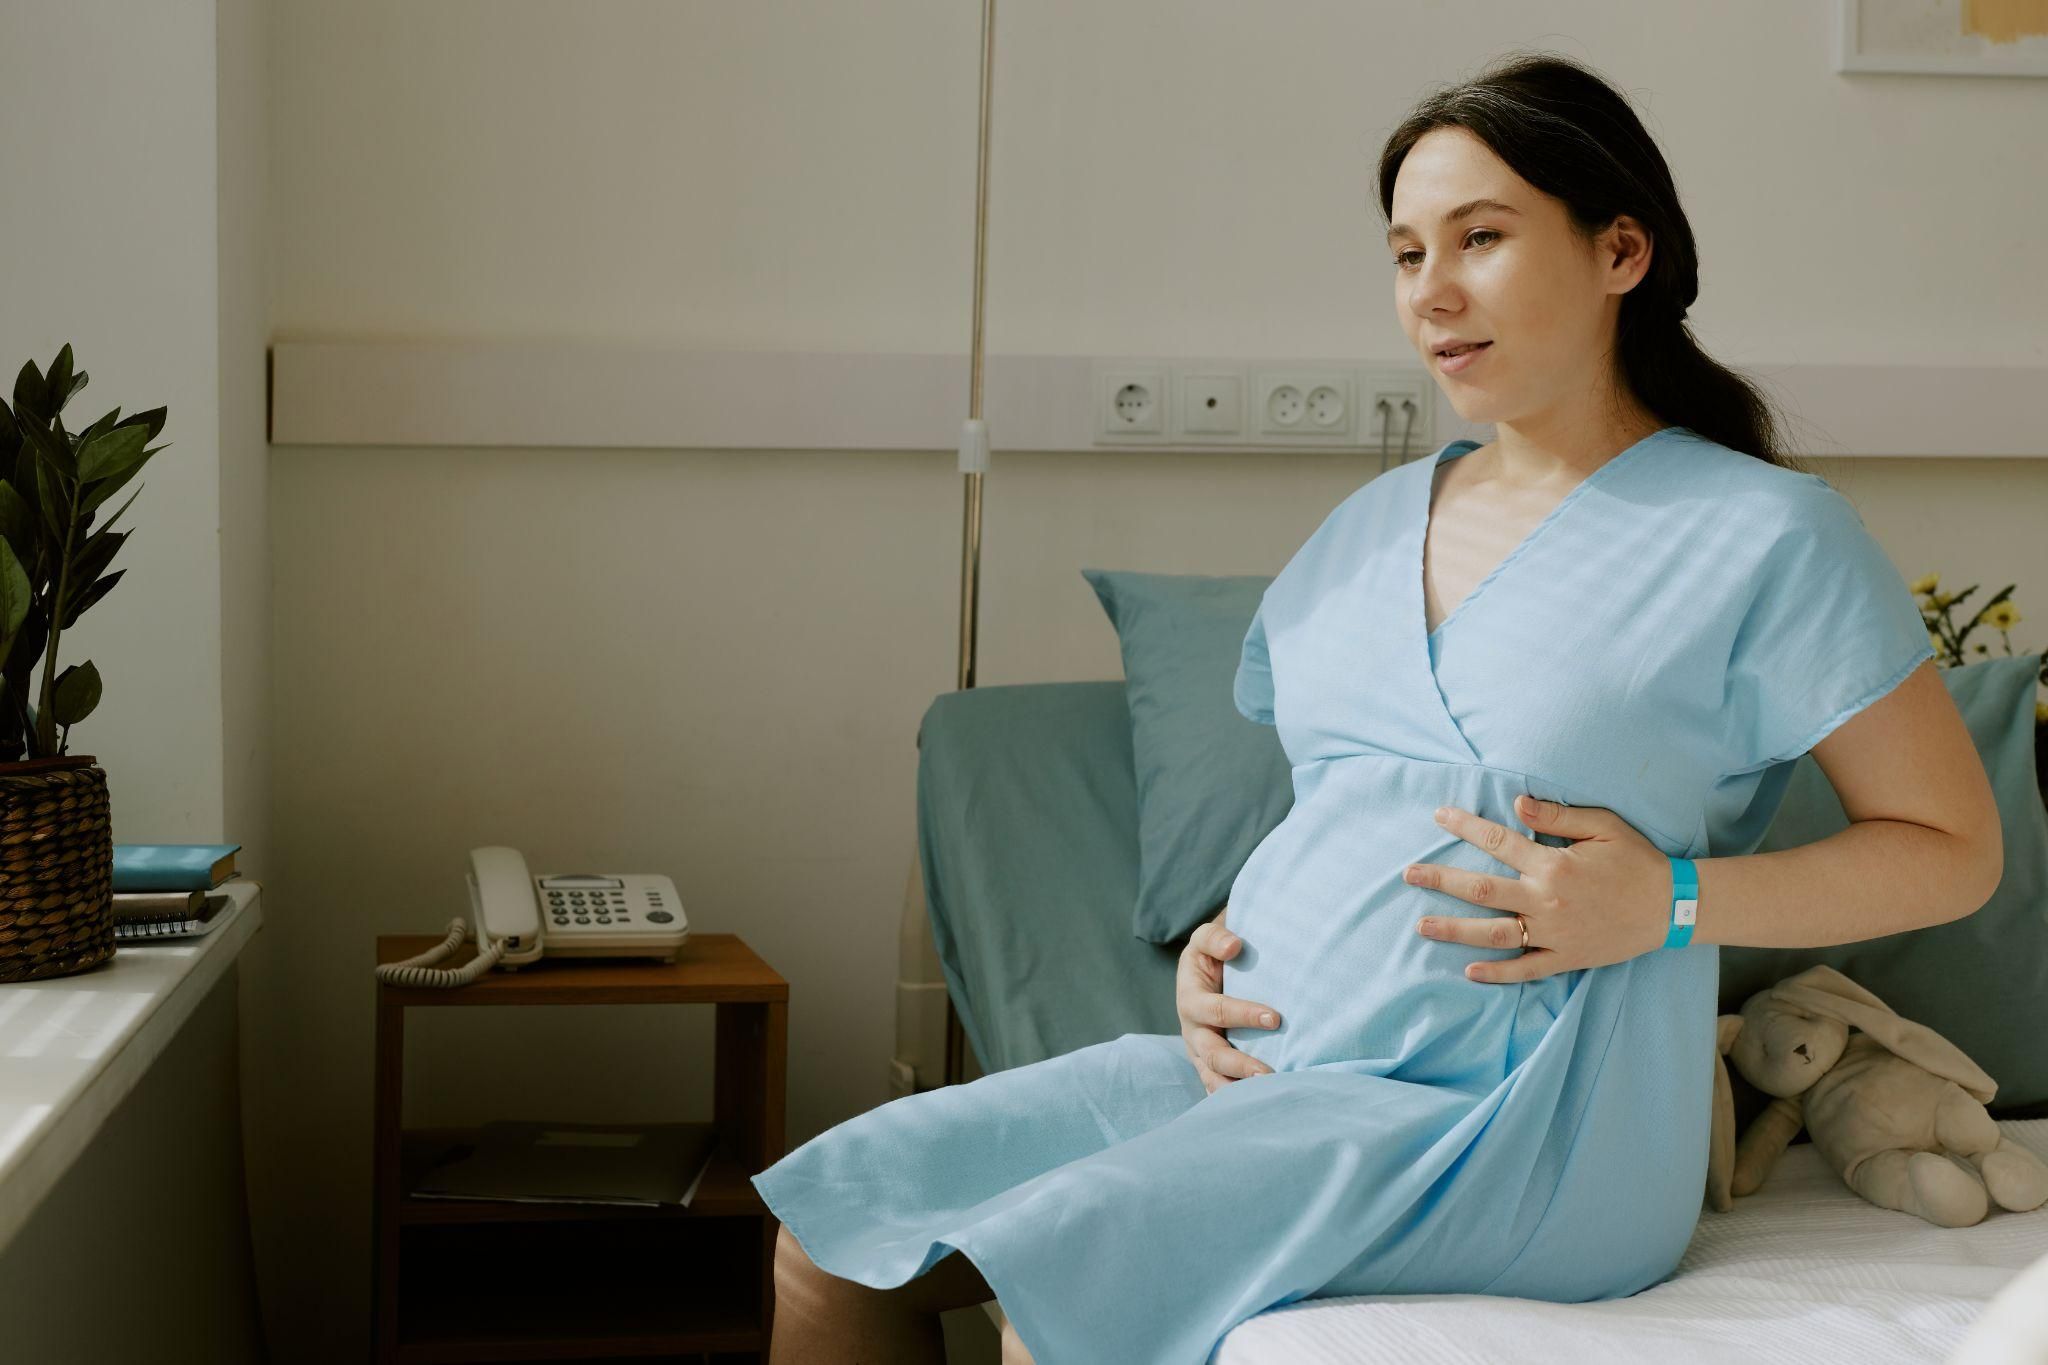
1205 1011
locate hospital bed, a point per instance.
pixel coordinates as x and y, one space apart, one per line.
1027 819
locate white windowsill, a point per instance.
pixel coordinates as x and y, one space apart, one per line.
72 1047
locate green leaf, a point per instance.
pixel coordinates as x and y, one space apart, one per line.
92 595
30 394
91 560
15 594
53 499
17 522
105 489
110 453
28 649
10 448
105 422
76 694
48 449
60 380
152 419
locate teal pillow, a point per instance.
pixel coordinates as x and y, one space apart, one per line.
1981 981
1211 784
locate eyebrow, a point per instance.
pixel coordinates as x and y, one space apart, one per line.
1464 210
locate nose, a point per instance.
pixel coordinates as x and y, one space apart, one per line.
1430 292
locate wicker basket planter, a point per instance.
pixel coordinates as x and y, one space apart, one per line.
56 868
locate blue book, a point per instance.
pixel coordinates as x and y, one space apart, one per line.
172 867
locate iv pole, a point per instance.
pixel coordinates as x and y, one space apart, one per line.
973 461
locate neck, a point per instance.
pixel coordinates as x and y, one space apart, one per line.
1554 447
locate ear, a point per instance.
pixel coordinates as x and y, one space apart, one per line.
1821 977
1721 1135
1834 996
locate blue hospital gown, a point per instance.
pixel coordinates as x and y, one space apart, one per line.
1686 622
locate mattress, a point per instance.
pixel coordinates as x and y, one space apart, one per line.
1803 1270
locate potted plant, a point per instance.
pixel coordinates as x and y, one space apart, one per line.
1950 643
56 843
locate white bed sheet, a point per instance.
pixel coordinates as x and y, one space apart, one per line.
1804 1270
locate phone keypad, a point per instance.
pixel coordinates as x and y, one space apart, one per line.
587 907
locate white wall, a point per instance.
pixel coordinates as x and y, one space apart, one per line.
270 1078
712 663
107 236
132 147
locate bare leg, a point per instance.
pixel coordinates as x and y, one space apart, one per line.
821 1319
1013 1347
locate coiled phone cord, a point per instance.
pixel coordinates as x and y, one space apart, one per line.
416 971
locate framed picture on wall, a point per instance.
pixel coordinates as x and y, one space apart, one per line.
1943 37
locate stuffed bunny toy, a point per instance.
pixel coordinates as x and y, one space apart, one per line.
1886 1106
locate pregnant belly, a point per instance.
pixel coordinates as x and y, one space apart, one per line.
1329 929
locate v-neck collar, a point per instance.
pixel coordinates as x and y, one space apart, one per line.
1415 578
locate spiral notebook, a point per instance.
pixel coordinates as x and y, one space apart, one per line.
136 922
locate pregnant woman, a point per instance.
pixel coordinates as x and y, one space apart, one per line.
1541 697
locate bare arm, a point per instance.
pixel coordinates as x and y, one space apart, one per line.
1923 847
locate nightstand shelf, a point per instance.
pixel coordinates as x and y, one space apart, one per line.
479 1280
724 1192
482 1292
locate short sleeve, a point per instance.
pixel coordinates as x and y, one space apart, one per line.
1831 628
1253 690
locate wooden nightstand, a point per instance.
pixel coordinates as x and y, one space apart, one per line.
481 1281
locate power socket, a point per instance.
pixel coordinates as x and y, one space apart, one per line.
1130 402
1196 403
1313 406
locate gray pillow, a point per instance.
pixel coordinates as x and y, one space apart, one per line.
1981 981
1211 784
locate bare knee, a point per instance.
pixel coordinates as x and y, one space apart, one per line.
1013 1346
796 1275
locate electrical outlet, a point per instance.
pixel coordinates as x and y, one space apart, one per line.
1208 402
1327 407
1130 402
1312 405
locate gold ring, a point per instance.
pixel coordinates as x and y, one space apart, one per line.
1525 933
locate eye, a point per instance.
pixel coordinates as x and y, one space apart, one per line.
1401 258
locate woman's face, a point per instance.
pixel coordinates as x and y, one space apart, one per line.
1510 272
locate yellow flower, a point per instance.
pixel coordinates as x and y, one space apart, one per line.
1927 584
2041 713
1941 599
1934 642
2002 615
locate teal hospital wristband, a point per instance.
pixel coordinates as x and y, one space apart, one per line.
1685 902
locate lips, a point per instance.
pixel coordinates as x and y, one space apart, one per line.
1460 347
1463 360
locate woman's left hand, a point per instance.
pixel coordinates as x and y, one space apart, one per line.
1605 898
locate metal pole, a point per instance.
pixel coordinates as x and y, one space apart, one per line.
973 458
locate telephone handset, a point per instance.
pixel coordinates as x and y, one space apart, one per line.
519 918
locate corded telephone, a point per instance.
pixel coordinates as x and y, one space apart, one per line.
519 918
